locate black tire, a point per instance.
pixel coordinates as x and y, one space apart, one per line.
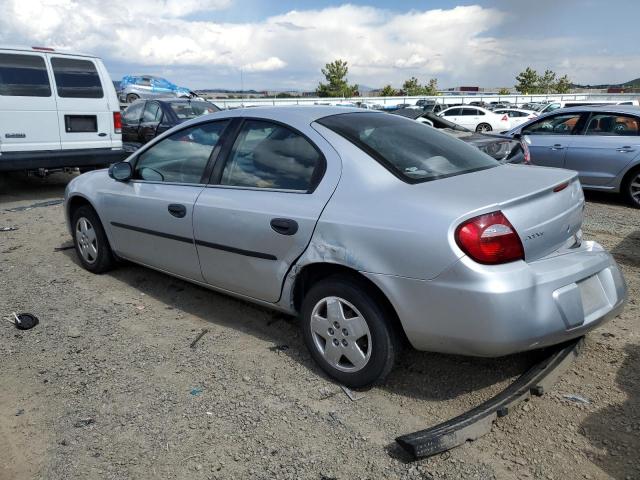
104 259
384 344
484 127
132 97
628 189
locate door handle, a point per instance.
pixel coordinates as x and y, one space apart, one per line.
624 149
557 146
177 210
284 226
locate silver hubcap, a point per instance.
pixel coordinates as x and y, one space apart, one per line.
341 334
483 128
86 240
635 189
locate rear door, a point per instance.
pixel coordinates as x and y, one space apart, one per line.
28 114
453 115
258 216
84 115
470 118
604 148
549 138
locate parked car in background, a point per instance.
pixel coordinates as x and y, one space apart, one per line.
146 119
369 226
134 87
57 110
503 148
476 118
516 116
601 143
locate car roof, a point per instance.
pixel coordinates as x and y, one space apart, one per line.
293 114
632 109
23 48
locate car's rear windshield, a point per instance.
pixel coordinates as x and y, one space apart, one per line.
410 150
187 110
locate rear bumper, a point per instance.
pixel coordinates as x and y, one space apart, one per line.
481 310
10 161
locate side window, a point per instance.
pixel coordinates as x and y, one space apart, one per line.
454 112
76 78
145 81
469 112
266 155
152 112
555 125
181 157
132 114
612 124
23 76
552 107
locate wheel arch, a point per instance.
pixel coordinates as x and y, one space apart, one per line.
77 200
311 273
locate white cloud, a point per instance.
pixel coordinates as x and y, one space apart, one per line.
288 50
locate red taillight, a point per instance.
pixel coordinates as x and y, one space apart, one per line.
525 152
490 239
505 118
117 122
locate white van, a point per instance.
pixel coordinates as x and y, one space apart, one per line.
57 110
551 106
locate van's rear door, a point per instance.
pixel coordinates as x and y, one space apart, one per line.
28 117
84 114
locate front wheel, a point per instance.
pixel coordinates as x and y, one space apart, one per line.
631 188
348 333
90 241
483 127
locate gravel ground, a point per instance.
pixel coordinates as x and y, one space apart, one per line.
107 386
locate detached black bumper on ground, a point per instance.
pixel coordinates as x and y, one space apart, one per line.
477 422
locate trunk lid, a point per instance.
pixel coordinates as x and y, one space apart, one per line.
545 220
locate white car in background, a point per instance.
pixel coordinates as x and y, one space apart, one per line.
517 116
476 118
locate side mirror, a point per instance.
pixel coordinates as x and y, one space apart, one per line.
121 171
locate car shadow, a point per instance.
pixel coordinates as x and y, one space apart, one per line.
627 251
610 198
421 375
616 428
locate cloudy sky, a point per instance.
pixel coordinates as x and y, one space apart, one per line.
283 44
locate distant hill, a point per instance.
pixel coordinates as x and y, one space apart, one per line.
630 84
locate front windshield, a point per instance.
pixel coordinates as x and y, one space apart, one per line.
187 110
410 150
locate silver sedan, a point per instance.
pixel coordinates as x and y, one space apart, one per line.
371 227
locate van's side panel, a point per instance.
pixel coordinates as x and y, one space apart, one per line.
27 123
84 94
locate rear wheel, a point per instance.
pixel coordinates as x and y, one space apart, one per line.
631 188
90 241
132 97
347 332
483 127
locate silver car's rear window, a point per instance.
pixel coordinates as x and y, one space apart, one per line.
410 150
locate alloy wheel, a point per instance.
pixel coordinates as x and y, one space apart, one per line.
634 189
87 240
341 334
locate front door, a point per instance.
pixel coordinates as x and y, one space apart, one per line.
259 214
131 122
550 138
609 143
151 117
150 217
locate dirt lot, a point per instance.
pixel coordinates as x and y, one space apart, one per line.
108 387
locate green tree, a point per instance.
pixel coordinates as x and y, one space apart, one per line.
504 91
563 85
412 87
431 88
337 84
388 91
528 81
547 81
